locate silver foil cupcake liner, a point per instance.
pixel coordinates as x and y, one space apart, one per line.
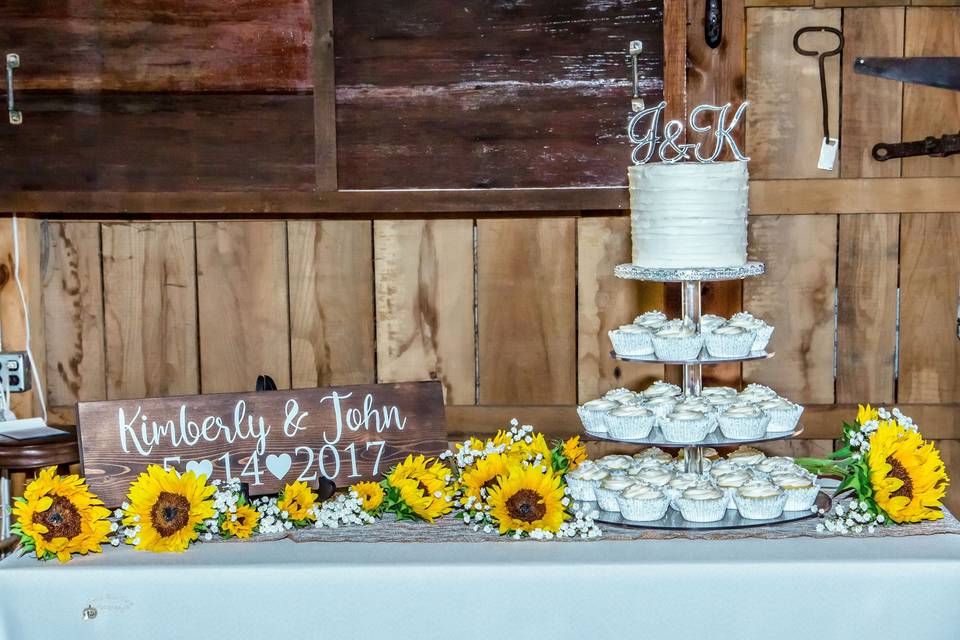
762 338
593 421
702 510
686 348
687 431
630 427
607 499
800 499
742 428
643 510
729 346
782 420
631 344
760 508
581 489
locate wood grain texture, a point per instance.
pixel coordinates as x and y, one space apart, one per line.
927 111
243 304
950 452
872 107
867 307
160 142
796 296
605 302
526 304
504 94
324 96
171 45
784 125
929 273
331 302
424 299
675 59
73 312
150 309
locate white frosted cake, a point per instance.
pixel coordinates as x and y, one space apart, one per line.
689 214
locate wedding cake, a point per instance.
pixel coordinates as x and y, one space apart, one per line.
689 214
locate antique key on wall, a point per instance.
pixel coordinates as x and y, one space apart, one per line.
828 147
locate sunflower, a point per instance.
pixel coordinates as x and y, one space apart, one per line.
866 414
479 478
907 474
242 523
298 501
419 487
58 516
426 498
168 508
528 499
370 495
523 450
574 451
417 468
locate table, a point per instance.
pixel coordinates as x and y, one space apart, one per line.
665 588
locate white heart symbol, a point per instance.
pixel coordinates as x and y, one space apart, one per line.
200 468
279 465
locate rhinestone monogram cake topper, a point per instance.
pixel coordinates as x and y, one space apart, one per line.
664 145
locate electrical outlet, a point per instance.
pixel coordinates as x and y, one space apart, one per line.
15 371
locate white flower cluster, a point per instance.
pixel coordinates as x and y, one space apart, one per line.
272 518
120 532
225 500
855 519
860 439
466 455
344 509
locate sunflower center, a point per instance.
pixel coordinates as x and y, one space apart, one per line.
170 513
526 505
489 484
62 519
900 473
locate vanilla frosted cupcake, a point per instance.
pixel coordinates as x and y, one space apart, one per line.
746 455
680 483
777 464
756 393
710 323
615 462
654 453
623 396
677 341
655 476
800 489
632 340
693 403
687 426
630 422
593 414
784 414
761 329
730 482
651 320
729 342
702 503
642 503
743 422
661 388
608 490
660 405
583 480
726 392
760 500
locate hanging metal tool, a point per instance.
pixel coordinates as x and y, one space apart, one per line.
945 145
943 73
636 48
15 117
713 23
828 147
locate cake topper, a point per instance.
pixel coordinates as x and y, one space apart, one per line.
665 145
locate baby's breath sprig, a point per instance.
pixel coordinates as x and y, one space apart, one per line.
856 518
341 510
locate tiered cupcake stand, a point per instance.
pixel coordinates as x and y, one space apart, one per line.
691 280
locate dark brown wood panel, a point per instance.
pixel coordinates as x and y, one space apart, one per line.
489 94
160 45
159 142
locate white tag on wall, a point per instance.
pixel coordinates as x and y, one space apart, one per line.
828 154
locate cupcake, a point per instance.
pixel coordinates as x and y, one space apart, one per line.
687 426
660 405
630 422
710 322
756 392
718 403
623 396
678 484
661 388
702 503
762 331
608 490
730 482
583 480
729 342
693 403
655 477
746 455
642 503
654 453
721 467
677 342
615 462
651 320
800 489
727 392
760 500
632 340
593 415
784 414
777 464
743 422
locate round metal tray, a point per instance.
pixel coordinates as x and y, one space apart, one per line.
715 439
703 358
732 519
688 274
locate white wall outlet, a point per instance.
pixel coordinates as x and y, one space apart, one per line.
15 371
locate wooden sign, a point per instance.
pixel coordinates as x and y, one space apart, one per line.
266 439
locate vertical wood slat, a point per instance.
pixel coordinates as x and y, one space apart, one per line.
324 96
796 295
424 301
150 309
73 313
243 304
12 319
331 302
784 125
605 302
675 58
527 310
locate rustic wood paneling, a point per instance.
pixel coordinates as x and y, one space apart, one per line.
243 305
526 301
929 273
324 96
795 295
170 45
784 124
487 94
950 452
424 293
159 142
150 309
73 312
331 302
605 302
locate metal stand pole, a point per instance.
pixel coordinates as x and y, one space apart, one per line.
4 504
692 373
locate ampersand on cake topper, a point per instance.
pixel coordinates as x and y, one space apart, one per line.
664 144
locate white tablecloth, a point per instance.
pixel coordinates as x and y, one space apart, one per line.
677 589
